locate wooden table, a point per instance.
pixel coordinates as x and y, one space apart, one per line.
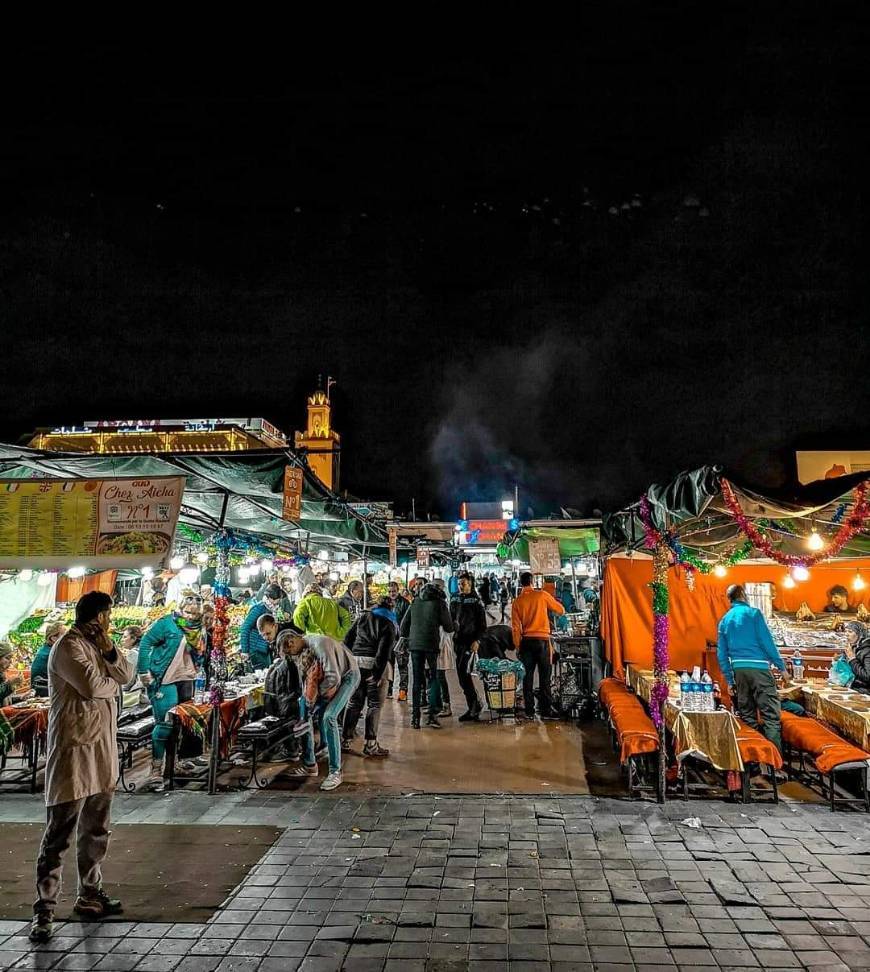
709 736
838 707
199 718
24 726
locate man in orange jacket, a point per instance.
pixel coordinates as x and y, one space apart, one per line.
531 629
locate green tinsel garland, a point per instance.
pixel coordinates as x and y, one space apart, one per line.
660 598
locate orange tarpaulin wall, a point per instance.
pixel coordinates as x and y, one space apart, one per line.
71 589
626 605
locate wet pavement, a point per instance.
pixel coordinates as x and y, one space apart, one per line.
575 884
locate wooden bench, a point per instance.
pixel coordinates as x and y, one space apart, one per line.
267 734
830 754
634 734
133 734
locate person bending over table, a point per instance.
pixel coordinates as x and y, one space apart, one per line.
283 689
330 676
39 666
746 652
858 654
170 652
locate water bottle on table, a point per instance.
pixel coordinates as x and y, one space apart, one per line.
199 686
797 666
684 691
709 703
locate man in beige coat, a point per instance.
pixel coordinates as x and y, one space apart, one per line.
85 674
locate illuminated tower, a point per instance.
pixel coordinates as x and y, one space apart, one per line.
319 441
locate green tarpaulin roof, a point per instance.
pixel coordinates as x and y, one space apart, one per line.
573 541
251 484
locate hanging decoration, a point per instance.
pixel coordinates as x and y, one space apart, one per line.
661 635
221 588
852 525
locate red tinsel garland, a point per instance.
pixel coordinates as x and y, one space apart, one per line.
852 525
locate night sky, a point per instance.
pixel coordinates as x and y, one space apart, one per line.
580 262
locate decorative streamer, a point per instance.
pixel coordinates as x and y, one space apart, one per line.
223 543
852 525
661 634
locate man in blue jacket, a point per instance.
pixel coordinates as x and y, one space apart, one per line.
746 651
170 653
251 642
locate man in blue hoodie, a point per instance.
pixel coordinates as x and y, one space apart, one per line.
746 651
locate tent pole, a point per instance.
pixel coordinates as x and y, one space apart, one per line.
224 507
365 579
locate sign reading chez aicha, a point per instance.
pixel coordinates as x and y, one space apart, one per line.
60 523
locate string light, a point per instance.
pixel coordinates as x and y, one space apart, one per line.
720 570
45 578
788 581
201 557
147 571
75 572
800 573
858 584
267 564
188 573
815 541
177 562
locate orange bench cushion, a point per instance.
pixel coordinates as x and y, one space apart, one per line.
755 748
826 748
634 728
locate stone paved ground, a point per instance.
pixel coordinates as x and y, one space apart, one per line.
420 884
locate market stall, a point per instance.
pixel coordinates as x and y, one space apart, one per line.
671 557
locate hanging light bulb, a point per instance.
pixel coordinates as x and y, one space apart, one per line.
254 569
720 570
244 575
201 557
75 572
800 573
858 584
267 564
25 575
177 562
815 542
147 571
188 573
323 555
788 581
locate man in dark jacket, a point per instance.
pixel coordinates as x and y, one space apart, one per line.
283 687
352 599
496 642
858 655
372 640
469 623
421 626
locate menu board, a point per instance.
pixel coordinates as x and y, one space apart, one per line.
59 523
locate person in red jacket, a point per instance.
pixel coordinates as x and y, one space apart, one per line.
530 622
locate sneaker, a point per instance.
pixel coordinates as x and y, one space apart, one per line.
201 761
446 712
375 751
332 781
551 718
97 905
433 723
346 746
42 927
473 715
403 695
186 766
304 771
155 782
415 722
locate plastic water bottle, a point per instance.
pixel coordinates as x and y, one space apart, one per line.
717 696
684 691
199 686
797 666
707 688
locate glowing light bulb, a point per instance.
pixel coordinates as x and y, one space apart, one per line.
45 578
720 570
815 541
177 562
201 557
788 581
75 572
267 564
25 575
800 573
323 555
188 573
858 584
147 571
244 575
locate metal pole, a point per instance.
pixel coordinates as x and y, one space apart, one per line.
516 501
365 579
574 581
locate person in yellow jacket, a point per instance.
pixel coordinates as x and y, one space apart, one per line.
316 614
530 621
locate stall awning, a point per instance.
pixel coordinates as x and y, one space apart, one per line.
243 492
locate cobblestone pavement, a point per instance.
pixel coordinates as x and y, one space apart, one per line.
577 884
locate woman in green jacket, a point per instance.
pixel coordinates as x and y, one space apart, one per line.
170 653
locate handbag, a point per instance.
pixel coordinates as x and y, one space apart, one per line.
446 655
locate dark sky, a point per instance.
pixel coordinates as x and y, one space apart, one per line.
202 230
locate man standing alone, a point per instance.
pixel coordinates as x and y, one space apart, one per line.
531 629
469 623
746 651
85 675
